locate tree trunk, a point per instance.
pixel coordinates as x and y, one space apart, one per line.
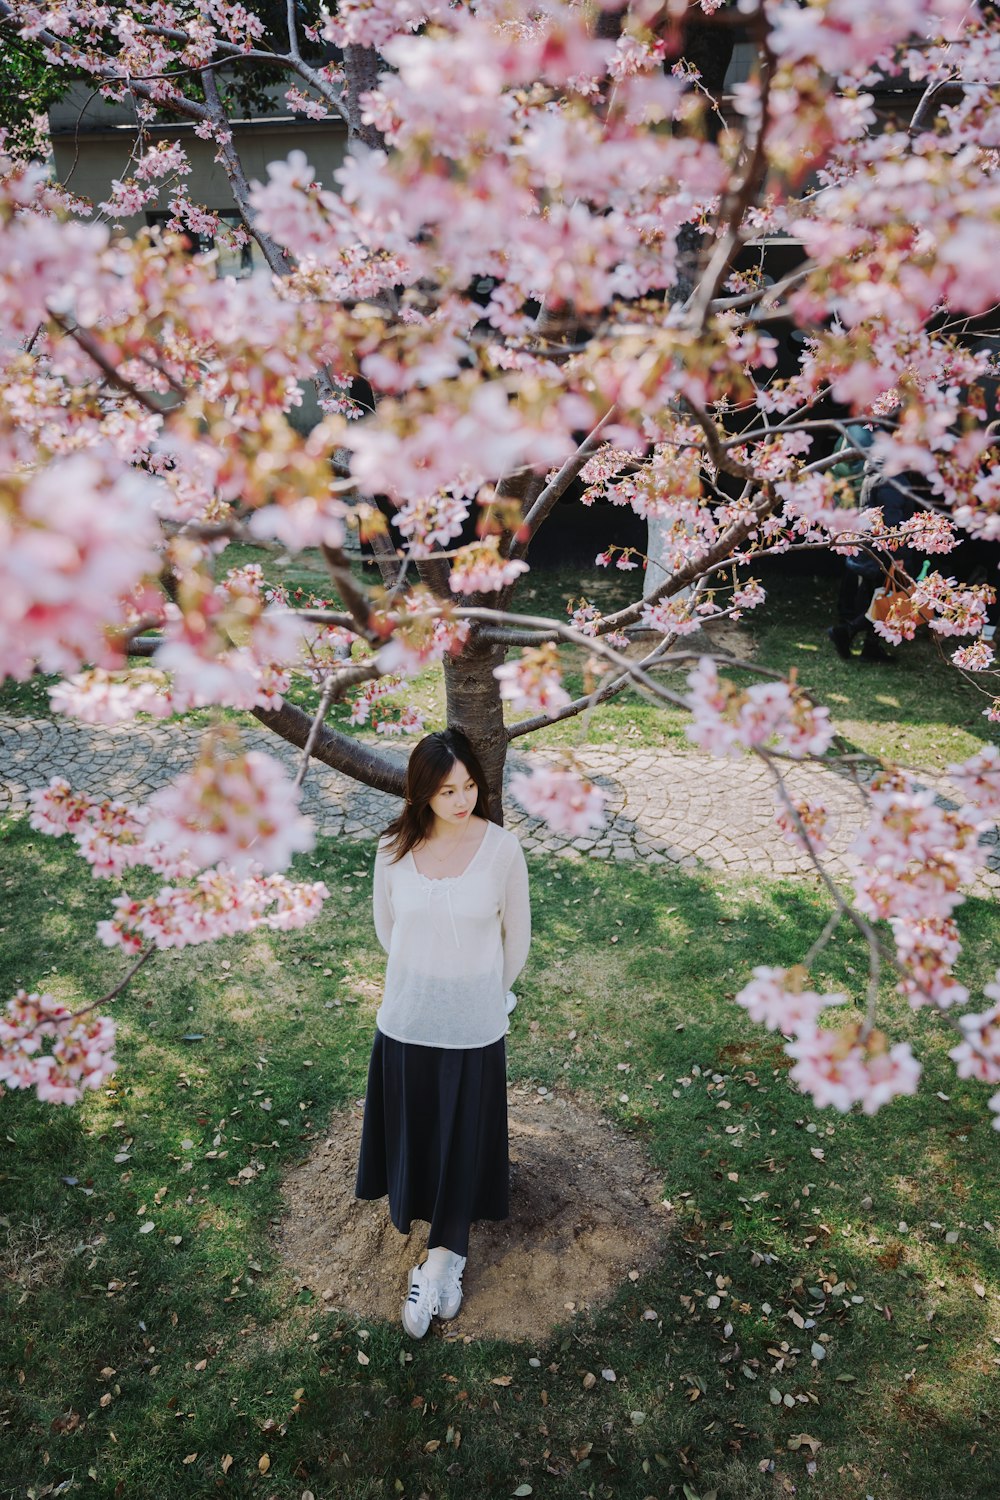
474 707
362 66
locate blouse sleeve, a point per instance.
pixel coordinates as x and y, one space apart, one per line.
515 919
382 901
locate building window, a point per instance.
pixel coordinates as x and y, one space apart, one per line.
232 260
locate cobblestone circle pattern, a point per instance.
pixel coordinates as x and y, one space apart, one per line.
663 806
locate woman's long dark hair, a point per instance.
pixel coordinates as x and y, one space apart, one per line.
430 761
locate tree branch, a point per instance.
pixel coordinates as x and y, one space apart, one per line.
741 197
557 487
93 350
232 165
352 593
716 447
339 751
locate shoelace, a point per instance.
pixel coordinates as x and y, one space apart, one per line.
424 1293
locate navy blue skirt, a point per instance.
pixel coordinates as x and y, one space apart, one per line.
434 1137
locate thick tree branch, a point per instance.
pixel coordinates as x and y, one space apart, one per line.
361 70
339 751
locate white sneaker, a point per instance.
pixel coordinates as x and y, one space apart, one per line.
449 1289
421 1303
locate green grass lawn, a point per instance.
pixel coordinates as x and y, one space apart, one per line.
826 1278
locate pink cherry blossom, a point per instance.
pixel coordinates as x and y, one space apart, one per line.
979 657
779 1000
842 1068
567 802
217 904
480 568
304 104
241 809
408 720
306 522
928 948
978 1055
978 780
814 821
766 715
533 683
749 594
79 538
101 697
81 1055
435 519
671 617
914 856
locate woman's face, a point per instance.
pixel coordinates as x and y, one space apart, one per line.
455 798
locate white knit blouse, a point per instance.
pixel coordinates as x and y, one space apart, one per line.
455 945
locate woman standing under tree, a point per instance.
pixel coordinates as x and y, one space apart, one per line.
452 913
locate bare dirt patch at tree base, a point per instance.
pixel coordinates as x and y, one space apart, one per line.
586 1208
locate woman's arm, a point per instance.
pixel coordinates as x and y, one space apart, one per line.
515 919
381 900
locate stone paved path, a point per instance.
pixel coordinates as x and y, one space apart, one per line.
664 806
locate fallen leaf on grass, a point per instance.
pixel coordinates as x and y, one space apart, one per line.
263 1463
522 1489
589 1381
803 1440
501 1380
979 1289
227 1463
363 1358
190 1458
608 1375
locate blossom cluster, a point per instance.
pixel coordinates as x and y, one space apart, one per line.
853 1064
767 716
533 683
479 568
216 904
240 809
80 1057
112 836
978 1054
566 801
79 536
807 823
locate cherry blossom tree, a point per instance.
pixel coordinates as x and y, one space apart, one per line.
573 160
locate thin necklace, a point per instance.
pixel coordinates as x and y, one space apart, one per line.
441 859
